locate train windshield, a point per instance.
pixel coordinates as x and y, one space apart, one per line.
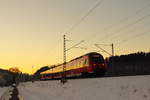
97 59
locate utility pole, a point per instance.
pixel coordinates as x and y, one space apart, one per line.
112 64
112 49
111 54
32 74
63 80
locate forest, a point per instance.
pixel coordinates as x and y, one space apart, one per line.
130 64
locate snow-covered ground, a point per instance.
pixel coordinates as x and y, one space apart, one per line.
111 88
3 90
5 93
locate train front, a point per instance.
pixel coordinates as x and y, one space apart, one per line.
97 64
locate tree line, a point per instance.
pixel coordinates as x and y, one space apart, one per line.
130 64
13 75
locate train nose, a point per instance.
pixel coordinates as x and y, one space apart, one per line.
99 67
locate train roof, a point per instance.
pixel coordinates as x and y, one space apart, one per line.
85 55
76 58
90 53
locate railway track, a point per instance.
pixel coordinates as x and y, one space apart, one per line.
15 93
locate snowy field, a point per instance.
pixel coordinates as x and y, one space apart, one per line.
5 93
114 88
3 90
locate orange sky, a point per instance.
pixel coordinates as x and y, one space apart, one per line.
31 31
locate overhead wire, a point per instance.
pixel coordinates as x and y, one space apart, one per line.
128 17
109 27
121 21
128 25
134 37
84 17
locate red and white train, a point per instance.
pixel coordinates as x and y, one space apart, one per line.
89 64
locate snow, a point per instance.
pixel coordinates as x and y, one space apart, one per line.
110 88
2 90
5 93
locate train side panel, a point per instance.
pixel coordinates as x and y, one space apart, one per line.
89 63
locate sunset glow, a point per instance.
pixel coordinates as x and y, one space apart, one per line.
31 31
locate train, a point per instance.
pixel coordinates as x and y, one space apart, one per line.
90 64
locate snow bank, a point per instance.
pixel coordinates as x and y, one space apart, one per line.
114 88
5 93
3 90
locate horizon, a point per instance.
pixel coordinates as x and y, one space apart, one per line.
31 34
72 59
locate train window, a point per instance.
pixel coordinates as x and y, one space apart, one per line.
78 64
82 62
85 62
95 55
97 59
